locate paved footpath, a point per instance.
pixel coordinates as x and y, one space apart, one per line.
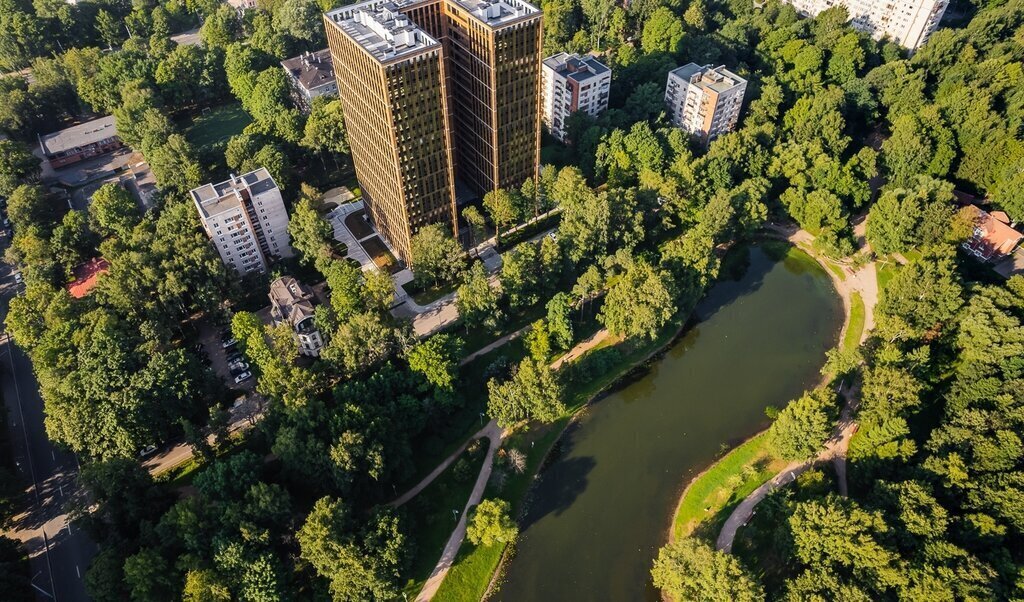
451 549
863 281
487 431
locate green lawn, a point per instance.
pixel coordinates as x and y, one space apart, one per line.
217 125
710 498
837 270
473 568
428 295
432 509
855 326
886 269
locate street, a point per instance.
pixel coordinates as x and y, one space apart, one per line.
59 553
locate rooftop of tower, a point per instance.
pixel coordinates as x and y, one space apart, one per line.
498 12
382 29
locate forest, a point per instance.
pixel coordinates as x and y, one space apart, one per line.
835 125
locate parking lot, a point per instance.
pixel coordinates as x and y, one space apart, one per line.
211 341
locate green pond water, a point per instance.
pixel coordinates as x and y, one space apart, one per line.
602 508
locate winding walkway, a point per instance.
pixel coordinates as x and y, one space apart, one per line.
495 434
864 282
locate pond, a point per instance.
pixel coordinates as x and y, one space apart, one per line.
602 508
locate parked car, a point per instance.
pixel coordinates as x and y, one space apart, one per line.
233 357
146 451
238 366
18 278
241 378
228 343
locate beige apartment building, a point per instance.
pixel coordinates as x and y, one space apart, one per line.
437 92
909 23
704 101
246 220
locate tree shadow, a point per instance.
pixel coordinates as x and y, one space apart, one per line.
557 487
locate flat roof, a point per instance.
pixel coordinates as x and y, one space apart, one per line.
311 69
718 78
382 30
575 67
79 135
498 12
212 199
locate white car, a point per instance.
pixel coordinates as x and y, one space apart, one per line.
238 366
241 378
18 278
226 343
149 449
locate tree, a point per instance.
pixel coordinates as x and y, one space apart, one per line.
903 218
437 359
109 28
662 32
325 127
112 210
922 297
300 19
476 300
490 523
364 340
533 393
802 427
559 320
833 533
689 569
477 225
28 206
311 234
503 208
520 275
360 564
639 302
17 166
436 255
149 576
221 28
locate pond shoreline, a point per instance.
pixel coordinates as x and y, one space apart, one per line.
841 290
637 370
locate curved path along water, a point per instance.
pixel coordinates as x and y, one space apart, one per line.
599 511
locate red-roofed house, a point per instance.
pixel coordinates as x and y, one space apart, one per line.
86 275
992 237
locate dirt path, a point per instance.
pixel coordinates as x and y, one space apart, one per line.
495 434
581 348
427 480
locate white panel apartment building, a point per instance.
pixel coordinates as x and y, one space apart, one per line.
246 219
572 83
906 22
704 101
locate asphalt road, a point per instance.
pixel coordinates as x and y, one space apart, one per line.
59 552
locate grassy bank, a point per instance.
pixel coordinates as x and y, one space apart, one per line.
590 375
711 496
854 323
433 516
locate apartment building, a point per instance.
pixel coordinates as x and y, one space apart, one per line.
310 75
572 83
704 101
293 303
246 220
909 23
437 92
